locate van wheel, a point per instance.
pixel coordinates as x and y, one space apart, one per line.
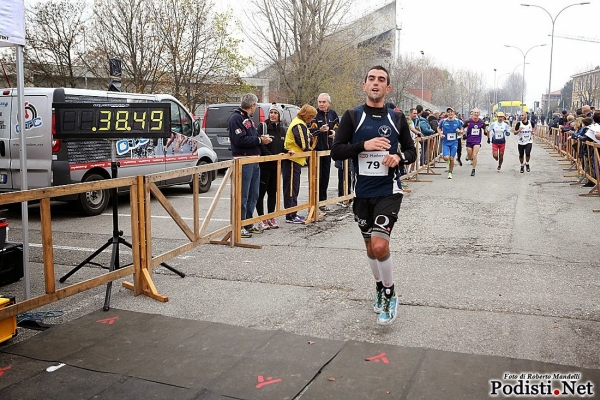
94 202
204 180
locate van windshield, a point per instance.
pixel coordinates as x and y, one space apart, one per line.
219 116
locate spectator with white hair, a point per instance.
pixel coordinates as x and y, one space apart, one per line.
322 129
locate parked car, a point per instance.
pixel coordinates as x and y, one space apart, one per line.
216 119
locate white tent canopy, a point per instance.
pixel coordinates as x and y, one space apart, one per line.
12 33
12 23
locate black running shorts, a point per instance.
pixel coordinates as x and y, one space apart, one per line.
376 216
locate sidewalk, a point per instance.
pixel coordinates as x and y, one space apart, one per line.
496 273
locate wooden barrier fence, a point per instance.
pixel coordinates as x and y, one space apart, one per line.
141 189
582 157
428 152
44 196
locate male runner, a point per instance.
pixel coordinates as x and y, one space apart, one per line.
378 141
499 130
474 129
450 128
524 130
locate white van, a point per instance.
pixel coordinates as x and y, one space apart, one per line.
53 162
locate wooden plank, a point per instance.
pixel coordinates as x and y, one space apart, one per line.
164 202
164 257
152 291
35 302
196 204
57 191
178 173
248 245
225 240
137 231
215 201
148 226
47 249
156 296
235 208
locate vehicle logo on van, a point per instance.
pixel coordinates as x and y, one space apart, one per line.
124 146
3 103
31 118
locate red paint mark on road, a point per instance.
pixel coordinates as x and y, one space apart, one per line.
109 321
263 382
3 370
378 358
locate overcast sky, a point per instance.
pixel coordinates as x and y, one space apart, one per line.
475 37
471 34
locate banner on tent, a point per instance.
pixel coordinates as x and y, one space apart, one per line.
12 22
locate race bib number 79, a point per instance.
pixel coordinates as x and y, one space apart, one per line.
370 163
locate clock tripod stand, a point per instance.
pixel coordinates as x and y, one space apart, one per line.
114 241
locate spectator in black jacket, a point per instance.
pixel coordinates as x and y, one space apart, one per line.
322 129
245 142
268 170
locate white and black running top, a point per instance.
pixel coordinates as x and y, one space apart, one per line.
364 123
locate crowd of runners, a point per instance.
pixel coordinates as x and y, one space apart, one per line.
379 143
454 129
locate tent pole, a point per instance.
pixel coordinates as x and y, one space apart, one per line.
23 165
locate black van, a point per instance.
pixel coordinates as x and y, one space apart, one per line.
216 119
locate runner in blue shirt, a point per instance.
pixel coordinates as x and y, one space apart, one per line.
450 128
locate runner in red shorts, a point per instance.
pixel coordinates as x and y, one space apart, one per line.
498 131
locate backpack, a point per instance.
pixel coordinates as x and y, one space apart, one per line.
433 123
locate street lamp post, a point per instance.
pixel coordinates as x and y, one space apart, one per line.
524 62
495 91
422 57
552 44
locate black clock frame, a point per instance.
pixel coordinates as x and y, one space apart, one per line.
83 121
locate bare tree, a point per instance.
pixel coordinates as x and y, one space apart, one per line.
294 38
128 30
200 55
512 87
53 36
404 75
8 67
446 92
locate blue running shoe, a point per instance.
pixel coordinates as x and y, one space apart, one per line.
388 313
378 303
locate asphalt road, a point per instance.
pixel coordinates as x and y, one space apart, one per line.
501 263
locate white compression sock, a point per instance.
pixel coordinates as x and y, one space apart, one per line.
374 267
385 270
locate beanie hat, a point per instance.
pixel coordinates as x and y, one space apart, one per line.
277 108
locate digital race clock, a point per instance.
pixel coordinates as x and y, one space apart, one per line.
84 121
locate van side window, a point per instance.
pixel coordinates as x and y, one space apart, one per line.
180 120
186 122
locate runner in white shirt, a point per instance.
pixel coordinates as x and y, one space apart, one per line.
499 130
524 129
